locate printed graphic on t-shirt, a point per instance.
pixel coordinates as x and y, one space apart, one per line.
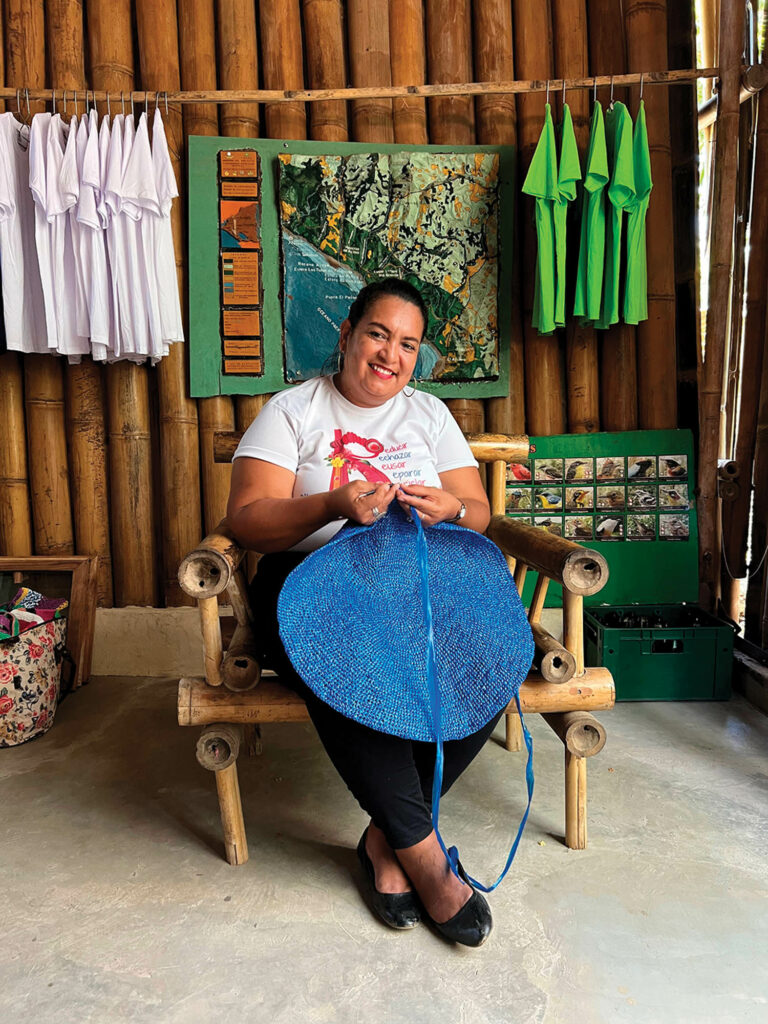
345 457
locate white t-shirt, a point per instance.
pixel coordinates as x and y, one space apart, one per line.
23 306
38 144
165 254
314 432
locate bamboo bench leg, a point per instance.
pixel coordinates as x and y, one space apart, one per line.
235 845
514 734
575 802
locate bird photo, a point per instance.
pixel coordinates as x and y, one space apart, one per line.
549 471
518 471
641 497
610 497
641 467
518 498
578 527
548 498
673 496
609 529
641 528
675 466
579 497
611 468
551 525
578 469
673 527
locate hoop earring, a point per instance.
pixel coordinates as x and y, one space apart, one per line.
339 360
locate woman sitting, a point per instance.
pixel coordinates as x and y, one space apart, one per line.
343 447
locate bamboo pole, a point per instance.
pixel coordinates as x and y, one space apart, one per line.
736 518
86 429
132 506
573 627
538 599
326 66
731 33
646 27
618 345
451 122
581 732
582 570
369 64
569 24
231 809
179 445
408 67
575 801
497 126
15 519
544 370
556 663
212 642
756 626
283 66
197 59
238 68
43 376
218 746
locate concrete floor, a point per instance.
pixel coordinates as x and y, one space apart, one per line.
119 907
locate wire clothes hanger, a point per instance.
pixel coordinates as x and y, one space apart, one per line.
547 91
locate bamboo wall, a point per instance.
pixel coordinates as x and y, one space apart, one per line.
118 460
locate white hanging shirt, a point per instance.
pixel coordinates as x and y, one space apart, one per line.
62 189
69 180
23 303
93 253
38 144
123 342
105 217
129 281
165 254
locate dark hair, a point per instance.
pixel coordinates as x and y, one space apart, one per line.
387 286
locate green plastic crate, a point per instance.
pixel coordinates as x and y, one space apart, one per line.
661 652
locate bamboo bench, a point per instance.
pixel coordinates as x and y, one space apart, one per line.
235 697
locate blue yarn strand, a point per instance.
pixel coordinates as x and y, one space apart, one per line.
452 853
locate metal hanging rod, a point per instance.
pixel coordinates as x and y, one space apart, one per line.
379 92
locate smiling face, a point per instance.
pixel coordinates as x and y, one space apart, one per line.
380 352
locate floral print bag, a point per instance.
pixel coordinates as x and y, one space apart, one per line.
30 666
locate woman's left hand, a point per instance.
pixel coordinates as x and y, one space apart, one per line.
433 504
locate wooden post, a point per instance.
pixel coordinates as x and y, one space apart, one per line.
575 802
618 358
521 570
238 68
573 627
197 55
711 379
15 519
212 647
231 809
569 23
656 347
497 126
538 599
86 432
179 445
544 370
326 67
498 488
132 502
408 67
369 64
451 122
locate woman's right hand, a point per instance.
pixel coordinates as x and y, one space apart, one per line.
358 499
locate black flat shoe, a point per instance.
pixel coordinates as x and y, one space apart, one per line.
399 910
471 925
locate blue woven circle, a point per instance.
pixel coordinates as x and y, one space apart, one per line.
352 622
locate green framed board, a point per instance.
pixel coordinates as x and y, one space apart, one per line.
249 204
628 495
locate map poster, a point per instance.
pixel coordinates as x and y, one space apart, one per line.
428 218
240 278
239 224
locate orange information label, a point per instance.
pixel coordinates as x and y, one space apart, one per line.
239 189
240 278
239 224
239 163
243 348
251 366
241 323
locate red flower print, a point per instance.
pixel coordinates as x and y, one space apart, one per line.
46 641
6 673
35 651
6 703
50 628
42 718
51 693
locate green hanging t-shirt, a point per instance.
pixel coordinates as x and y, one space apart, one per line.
636 282
541 183
568 173
621 194
589 274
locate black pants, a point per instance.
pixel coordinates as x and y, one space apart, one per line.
390 777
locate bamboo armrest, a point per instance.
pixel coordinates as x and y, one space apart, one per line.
208 570
580 570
